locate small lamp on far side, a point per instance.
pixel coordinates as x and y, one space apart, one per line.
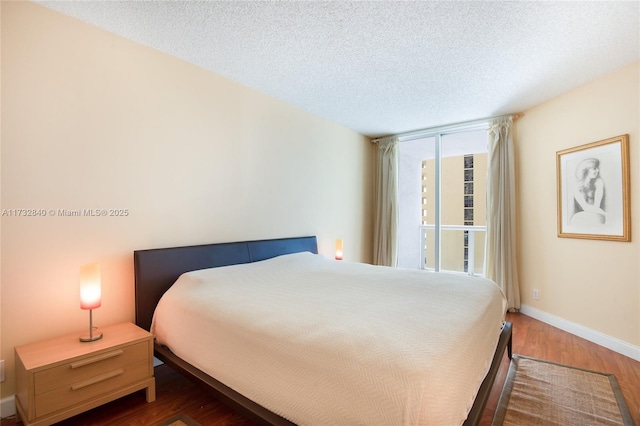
339 252
90 296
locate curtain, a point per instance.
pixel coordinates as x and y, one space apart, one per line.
500 251
385 242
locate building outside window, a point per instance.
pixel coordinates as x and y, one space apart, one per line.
445 195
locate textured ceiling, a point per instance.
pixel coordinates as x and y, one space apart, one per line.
387 67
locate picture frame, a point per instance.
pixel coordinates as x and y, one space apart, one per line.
593 190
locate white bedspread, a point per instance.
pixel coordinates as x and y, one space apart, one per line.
322 342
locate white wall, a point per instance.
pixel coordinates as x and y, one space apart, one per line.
93 121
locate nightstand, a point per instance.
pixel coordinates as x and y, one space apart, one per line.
62 377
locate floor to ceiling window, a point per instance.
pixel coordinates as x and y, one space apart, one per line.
442 199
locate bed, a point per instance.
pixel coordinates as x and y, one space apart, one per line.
366 386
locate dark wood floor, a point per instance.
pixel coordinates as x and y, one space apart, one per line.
530 337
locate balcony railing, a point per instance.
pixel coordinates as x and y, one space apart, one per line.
461 248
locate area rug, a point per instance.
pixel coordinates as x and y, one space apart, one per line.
538 392
180 420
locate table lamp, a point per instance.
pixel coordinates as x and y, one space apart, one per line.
339 251
90 296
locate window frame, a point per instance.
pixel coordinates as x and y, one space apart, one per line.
438 133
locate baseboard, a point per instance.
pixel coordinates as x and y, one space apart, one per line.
616 345
7 407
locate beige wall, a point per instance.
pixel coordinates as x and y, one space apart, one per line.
93 121
595 284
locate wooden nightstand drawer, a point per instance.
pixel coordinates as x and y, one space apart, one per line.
88 367
83 390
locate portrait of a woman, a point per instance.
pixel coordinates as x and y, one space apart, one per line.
589 195
593 190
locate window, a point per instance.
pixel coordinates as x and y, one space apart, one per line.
468 187
468 201
468 215
441 191
468 162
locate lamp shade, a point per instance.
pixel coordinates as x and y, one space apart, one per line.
90 288
339 252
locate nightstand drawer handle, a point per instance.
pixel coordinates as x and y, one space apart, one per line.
97 379
97 358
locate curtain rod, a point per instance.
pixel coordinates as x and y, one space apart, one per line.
439 129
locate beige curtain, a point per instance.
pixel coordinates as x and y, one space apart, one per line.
386 227
500 251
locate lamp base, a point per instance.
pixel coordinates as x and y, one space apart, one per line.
92 337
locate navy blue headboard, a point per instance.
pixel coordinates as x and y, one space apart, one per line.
157 269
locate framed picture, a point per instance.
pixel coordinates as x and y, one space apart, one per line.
593 190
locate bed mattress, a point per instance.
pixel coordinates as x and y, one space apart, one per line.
322 342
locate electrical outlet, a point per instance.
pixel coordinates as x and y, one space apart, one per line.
2 370
536 295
